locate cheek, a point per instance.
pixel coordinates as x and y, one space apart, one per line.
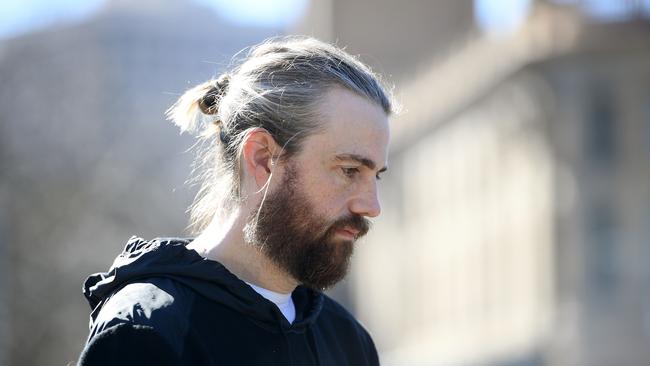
328 194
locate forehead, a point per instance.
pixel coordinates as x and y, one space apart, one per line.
351 124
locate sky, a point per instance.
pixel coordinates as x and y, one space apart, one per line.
22 16
503 15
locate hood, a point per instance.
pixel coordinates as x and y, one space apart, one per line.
168 257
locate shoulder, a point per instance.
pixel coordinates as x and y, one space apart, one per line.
335 312
128 344
148 301
152 306
346 325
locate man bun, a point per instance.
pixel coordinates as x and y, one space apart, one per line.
195 109
209 103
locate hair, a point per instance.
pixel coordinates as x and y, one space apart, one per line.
277 87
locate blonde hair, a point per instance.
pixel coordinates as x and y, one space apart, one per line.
276 87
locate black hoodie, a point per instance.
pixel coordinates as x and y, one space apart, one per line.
162 304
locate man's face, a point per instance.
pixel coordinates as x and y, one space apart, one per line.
309 222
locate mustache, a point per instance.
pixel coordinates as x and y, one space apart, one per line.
355 222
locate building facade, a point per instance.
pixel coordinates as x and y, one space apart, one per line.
514 228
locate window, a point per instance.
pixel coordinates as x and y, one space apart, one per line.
601 252
600 126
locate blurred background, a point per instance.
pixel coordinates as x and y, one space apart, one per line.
516 214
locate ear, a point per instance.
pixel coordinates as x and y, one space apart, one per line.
259 150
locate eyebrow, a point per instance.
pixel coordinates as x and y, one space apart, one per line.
361 160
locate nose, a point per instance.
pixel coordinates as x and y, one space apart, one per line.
366 203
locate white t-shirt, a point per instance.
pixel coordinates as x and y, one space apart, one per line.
284 302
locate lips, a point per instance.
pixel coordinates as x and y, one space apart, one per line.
351 231
352 227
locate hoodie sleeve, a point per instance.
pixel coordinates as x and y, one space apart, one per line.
128 344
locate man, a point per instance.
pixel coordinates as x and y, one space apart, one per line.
296 140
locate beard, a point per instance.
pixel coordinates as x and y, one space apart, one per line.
288 230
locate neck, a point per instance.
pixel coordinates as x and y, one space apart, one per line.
224 242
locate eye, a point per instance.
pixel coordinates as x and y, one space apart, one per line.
350 172
378 177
